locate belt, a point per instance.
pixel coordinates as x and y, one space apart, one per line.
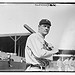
36 65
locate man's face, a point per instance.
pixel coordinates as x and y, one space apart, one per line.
44 29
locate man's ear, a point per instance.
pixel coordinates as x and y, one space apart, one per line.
38 25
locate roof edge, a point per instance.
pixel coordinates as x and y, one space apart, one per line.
15 34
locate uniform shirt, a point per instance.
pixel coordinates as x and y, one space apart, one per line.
35 48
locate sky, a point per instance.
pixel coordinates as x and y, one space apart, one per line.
62 32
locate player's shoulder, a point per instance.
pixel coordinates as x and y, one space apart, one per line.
33 35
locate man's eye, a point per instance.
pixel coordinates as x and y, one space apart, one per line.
44 26
48 27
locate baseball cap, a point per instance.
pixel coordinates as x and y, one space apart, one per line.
45 21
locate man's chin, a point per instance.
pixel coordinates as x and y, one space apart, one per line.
45 33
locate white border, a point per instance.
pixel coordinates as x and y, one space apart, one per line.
37 0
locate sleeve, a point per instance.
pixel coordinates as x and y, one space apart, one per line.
36 47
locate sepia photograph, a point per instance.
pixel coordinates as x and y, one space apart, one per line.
37 36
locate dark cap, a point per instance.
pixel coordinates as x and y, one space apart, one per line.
45 21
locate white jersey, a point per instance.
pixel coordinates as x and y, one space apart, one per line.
35 48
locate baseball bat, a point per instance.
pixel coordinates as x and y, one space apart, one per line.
29 29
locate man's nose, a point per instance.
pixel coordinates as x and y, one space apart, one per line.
46 27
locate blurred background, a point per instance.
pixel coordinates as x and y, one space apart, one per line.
62 16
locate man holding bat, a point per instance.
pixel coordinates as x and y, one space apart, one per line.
37 51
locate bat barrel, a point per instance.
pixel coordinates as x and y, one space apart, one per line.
29 29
